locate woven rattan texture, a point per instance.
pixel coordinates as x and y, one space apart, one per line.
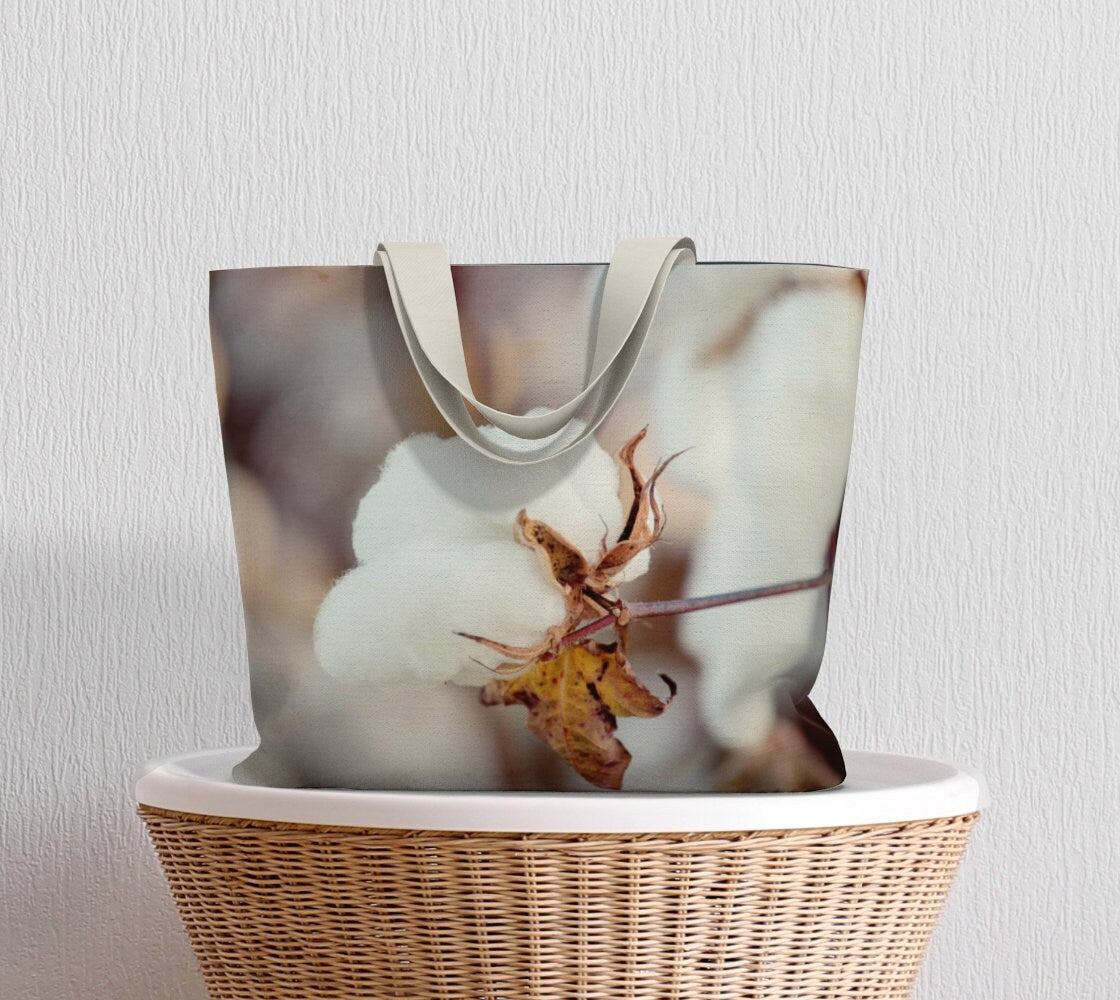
291 911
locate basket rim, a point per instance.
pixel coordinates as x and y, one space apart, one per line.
880 788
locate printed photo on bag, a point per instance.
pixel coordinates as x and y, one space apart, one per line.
645 611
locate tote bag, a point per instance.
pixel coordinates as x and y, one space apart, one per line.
538 527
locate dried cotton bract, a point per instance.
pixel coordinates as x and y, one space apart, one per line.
437 555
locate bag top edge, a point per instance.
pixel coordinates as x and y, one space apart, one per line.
534 264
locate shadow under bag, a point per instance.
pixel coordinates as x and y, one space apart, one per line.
538 527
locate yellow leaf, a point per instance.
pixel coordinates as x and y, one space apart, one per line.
574 701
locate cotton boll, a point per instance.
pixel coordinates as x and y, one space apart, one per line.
444 488
584 506
396 617
794 379
437 555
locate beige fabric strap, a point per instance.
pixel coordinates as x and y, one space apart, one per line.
419 280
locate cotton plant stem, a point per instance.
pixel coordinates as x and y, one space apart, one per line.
662 609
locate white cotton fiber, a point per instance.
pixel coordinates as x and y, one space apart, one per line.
437 554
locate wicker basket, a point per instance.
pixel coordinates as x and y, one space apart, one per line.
276 908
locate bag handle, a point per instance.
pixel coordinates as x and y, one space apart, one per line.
419 279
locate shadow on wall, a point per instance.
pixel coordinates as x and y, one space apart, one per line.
136 652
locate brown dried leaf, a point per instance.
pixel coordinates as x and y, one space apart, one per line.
637 481
519 655
644 522
574 701
564 562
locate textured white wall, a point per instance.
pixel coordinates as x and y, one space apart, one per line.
966 153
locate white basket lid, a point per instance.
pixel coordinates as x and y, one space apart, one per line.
880 788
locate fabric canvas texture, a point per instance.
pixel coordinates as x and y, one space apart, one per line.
645 611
